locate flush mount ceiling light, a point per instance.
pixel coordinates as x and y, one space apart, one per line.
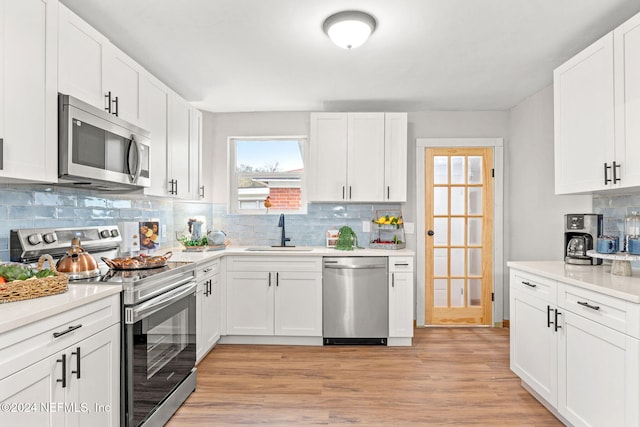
350 28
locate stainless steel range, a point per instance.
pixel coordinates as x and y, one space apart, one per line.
158 348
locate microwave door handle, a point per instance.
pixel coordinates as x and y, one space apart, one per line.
138 166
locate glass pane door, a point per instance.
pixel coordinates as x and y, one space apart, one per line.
459 242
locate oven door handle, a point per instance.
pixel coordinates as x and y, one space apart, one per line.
158 303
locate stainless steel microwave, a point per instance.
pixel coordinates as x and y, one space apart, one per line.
99 150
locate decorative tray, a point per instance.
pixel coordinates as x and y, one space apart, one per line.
203 248
140 262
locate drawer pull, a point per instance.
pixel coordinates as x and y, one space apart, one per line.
63 380
531 285
70 329
556 326
406 264
206 270
586 304
77 355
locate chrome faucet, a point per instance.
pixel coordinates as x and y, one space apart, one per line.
283 239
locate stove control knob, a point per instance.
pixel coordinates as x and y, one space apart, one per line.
114 233
34 239
49 238
104 234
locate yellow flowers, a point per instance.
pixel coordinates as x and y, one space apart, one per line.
388 219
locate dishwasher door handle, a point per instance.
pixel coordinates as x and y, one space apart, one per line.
352 267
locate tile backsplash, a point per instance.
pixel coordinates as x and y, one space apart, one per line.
614 209
37 206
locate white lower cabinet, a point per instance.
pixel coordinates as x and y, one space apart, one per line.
598 381
277 296
401 298
208 300
76 378
576 349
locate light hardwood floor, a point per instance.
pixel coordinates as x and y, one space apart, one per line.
451 376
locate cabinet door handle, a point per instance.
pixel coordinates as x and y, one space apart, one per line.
393 280
349 192
615 174
63 380
108 107
343 192
115 102
586 304
388 193
202 191
549 322
77 355
269 279
69 329
529 284
210 287
277 278
555 325
1 153
606 175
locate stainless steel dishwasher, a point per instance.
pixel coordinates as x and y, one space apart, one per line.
355 300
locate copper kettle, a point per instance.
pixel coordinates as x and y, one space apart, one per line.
77 263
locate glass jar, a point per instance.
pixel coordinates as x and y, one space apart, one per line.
631 228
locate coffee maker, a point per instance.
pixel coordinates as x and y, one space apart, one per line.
581 231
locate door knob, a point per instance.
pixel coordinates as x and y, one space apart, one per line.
430 232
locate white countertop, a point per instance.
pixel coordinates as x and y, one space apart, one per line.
20 313
596 278
180 255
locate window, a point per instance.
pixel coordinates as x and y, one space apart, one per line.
268 167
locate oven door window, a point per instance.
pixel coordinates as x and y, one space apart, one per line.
163 355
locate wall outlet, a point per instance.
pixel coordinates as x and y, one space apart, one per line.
163 231
366 226
409 228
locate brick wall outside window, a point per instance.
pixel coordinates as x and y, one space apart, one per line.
285 198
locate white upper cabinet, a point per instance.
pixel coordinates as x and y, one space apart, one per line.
81 53
358 157
596 98
196 184
122 81
28 90
626 45
178 148
328 156
365 157
154 115
584 124
95 71
395 155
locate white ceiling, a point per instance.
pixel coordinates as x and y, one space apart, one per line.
272 55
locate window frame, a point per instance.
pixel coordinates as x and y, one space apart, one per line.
233 196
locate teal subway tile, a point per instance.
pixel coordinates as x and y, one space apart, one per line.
32 212
54 199
91 202
119 204
19 198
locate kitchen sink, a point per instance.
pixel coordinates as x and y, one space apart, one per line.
280 249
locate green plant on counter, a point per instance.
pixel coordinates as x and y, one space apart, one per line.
347 239
10 272
188 242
